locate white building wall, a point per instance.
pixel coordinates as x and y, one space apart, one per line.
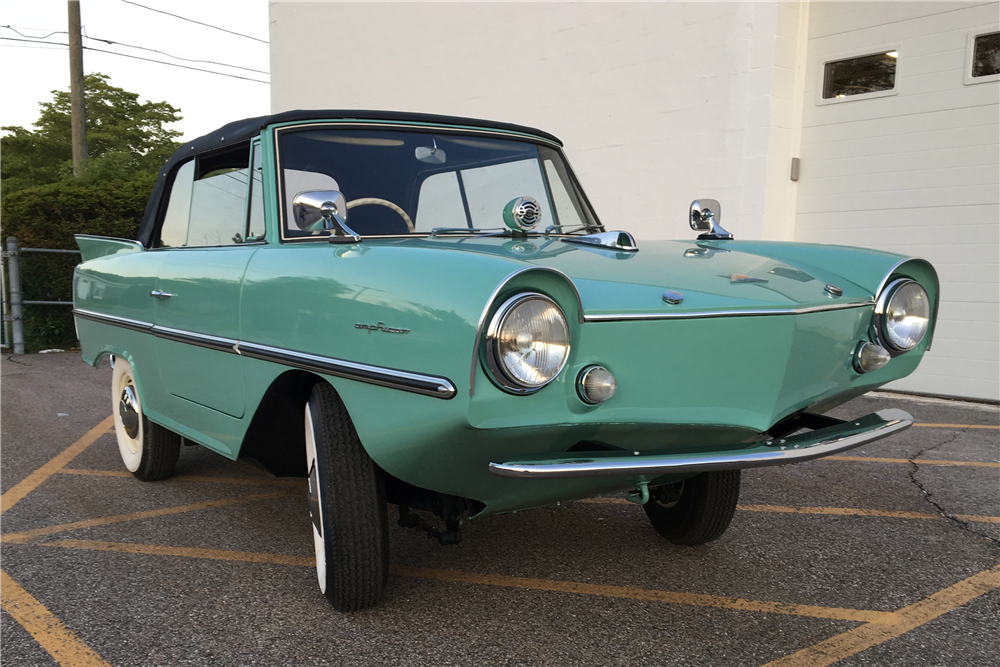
917 172
662 103
658 103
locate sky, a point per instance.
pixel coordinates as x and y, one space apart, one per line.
29 72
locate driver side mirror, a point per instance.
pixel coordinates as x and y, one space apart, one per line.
311 207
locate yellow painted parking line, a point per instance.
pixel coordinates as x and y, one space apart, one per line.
15 493
25 536
696 599
843 511
995 428
932 462
674 597
50 633
974 518
855 511
864 637
187 552
250 481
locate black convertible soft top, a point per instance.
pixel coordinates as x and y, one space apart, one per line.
244 130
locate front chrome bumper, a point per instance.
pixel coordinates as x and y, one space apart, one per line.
794 449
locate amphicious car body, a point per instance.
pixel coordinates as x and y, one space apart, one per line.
426 311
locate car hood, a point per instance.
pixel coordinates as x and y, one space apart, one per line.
711 276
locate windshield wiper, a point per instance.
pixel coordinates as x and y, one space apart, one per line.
442 231
587 229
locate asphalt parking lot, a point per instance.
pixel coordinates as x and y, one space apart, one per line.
886 556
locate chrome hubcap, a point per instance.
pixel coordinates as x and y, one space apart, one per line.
128 413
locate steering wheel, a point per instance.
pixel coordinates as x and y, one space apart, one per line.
382 202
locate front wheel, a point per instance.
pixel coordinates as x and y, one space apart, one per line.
696 510
347 504
148 450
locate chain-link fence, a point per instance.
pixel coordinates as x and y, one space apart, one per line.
31 287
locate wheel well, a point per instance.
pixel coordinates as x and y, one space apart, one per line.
276 436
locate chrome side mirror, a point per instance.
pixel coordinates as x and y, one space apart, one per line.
312 207
704 217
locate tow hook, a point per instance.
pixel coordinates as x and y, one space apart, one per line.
641 495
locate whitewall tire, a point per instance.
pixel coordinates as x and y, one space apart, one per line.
148 450
350 525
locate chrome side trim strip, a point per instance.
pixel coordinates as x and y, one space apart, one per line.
428 385
795 450
123 322
481 326
705 314
192 338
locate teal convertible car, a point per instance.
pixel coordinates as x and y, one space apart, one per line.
426 311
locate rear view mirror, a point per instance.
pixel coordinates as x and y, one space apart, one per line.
430 154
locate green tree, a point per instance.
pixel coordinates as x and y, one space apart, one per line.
44 206
124 137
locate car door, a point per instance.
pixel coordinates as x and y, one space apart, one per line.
205 243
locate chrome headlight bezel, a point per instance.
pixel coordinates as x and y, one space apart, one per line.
498 371
879 321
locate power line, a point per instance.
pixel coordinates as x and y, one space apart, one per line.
170 55
125 55
14 46
197 69
54 32
133 46
208 25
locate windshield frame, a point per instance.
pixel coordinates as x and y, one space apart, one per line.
279 186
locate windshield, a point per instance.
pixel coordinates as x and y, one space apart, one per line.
402 183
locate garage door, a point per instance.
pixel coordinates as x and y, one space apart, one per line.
900 152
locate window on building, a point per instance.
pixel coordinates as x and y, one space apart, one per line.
986 55
857 76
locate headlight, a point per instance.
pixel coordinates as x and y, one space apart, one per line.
902 315
527 343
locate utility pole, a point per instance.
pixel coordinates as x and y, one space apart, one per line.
76 92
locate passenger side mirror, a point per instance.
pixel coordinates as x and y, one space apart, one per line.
704 217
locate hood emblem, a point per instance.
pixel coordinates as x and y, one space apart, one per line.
381 327
740 278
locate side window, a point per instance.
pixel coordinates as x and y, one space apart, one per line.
440 203
208 201
255 224
566 214
173 232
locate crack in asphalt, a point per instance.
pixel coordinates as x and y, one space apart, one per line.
929 497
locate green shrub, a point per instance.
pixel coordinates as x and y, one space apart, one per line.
47 216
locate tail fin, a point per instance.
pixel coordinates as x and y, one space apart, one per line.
92 247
